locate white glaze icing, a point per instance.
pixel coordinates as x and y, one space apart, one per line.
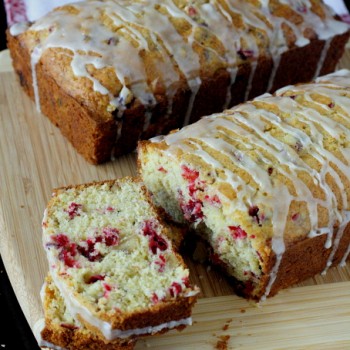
323 56
19 28
249 124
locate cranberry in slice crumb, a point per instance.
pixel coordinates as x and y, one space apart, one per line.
192 210
161 263
107 289
161 169
155 240
95 278
189 174
213 200
111 236
186 281
74 210
88 250
67 250
237 232
155 298
175 289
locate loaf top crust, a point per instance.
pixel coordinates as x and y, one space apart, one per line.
113 55
110 256
279 164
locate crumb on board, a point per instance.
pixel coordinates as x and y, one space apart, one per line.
222 342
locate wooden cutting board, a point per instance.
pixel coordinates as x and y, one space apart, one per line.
35 158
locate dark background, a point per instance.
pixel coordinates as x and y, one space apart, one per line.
12 319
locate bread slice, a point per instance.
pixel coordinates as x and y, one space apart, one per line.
60 330
112 261
266 184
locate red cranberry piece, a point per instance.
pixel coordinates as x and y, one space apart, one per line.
175 289
111 236
155 298
161 263
88 249
186 281
67 250
149 228
192 210
189 174
237 232
61 240
74 210
161 169
67 255
107 289
270 170
214 200
95 278
156 242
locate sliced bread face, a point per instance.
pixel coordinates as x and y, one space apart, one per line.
112 261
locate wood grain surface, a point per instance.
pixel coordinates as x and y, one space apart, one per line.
35 158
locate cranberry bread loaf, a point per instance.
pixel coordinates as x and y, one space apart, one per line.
266 183
108 73
113 263
59 330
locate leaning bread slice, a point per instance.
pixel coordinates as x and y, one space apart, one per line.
111 259
266 183
59 330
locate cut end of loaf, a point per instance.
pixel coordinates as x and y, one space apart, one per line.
112 260
189 195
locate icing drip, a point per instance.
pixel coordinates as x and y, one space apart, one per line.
250 80
242 136
233 74
345 257
343 225
95 33
323 56
276 61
